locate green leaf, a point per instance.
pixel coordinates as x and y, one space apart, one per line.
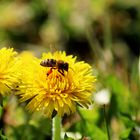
95 132
125 134
120 92
127 120
1 111
2 137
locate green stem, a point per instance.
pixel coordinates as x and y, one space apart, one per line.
56 128
105 117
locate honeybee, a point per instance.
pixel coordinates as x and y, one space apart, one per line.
55 64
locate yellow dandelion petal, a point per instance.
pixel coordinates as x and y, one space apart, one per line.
58 88
9 70
60 102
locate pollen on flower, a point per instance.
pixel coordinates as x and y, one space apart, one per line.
60 90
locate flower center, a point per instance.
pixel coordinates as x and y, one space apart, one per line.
58 84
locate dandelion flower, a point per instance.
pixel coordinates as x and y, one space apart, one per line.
9 73
51 90
27 60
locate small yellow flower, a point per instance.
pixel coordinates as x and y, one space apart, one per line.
51 90
9 70
26 60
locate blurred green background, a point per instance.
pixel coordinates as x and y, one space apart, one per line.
104 33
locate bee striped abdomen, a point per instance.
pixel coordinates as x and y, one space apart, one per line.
48 63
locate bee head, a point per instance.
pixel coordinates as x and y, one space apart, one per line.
66 66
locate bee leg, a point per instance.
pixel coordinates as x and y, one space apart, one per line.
62 72
49 72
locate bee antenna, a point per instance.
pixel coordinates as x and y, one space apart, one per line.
52 48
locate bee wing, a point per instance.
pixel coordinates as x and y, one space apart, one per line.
53 49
